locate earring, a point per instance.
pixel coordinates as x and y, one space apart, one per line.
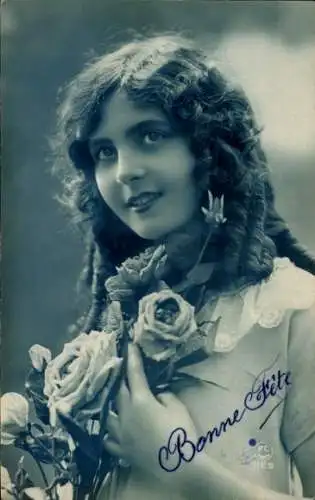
215 210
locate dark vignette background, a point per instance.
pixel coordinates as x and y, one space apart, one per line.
44 43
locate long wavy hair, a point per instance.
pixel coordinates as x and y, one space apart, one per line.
218 122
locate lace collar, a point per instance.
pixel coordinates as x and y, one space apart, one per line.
287 288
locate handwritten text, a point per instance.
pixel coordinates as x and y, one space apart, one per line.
181 449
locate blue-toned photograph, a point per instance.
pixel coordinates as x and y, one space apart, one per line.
158 237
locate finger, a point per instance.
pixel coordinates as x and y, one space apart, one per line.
112 446
169 399
112 425
136 376
123 397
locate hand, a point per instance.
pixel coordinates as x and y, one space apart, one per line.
144 422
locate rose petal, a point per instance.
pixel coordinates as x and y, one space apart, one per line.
7 438
40 356
14 415
70 382
129 275
65 492
115 321
7 491
5 478
99 382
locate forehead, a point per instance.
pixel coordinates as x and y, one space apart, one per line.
119 114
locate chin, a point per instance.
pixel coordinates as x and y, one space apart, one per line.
152 233
159 233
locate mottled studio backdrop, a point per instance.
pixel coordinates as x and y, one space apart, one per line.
269 46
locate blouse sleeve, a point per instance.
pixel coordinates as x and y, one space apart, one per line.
298 422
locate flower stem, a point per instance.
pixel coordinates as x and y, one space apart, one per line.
56 464
210 233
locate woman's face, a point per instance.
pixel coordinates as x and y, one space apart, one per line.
143 168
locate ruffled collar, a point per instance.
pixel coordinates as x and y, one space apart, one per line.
264 304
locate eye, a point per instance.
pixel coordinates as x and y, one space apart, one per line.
153 136
105 153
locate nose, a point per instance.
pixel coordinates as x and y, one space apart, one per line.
129 168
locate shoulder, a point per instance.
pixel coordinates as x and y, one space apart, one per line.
288 288
303 320
286 291
301 341
289 285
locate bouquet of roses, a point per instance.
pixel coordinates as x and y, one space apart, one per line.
73 393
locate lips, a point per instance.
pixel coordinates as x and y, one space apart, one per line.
143 201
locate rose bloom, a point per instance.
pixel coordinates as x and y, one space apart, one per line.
165 323
135 272
14 417
76 379
7 488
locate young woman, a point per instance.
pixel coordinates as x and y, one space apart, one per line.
154 131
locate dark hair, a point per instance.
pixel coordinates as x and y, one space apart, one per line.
219 124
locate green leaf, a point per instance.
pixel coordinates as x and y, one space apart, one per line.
44 448
88 469
114 387
21 478
192 359
34 388
198 275
83 439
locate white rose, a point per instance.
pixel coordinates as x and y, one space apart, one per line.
7 488
76 379
14 417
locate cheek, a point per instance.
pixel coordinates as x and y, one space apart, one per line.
108 190
177 168
187 183
100 181
192 196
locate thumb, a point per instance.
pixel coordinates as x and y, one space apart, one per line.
135 372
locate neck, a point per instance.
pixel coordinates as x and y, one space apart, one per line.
184 245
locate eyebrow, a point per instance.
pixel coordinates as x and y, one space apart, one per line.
132 130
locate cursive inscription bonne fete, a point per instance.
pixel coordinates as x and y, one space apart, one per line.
181 449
